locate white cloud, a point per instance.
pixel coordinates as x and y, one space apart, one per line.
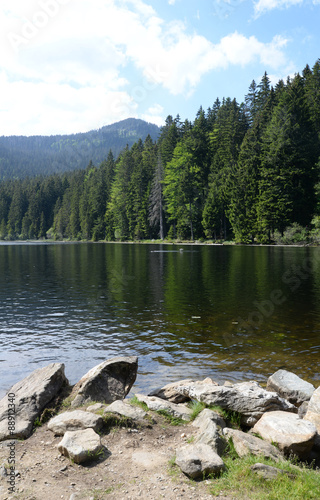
72 72
262 6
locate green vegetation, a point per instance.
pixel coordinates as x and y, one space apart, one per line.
196 408
135 402
241 482
170 419
244 172
23 157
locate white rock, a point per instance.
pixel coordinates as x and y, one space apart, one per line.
313 411
198 460
290 386
158 404
246 398
73 421
291 433
126 410
244 444
32 394
80 446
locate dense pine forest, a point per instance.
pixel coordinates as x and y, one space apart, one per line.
22 157
246 172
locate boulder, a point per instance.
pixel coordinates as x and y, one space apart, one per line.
81 446
126 410
210 425
198 460
246 444
107 382
246 398
313 411
170 391
31 395
289 386
269 473
158 404
74 421
96 407
303 408
291 433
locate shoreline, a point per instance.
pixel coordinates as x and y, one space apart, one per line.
156 242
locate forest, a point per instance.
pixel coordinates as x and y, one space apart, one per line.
22 156
244 172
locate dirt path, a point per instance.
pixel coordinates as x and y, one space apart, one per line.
136 465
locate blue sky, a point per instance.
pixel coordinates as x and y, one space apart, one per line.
73 65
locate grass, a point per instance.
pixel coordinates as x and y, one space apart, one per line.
135 402
231 416
170 419
173 470
241 482
196 408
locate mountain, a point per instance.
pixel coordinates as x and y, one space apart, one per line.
21 156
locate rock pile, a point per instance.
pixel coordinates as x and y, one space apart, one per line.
274 414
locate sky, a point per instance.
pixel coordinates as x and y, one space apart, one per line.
69 66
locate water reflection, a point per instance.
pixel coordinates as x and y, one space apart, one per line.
205 311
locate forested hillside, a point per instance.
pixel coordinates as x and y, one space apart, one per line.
21 157
243 171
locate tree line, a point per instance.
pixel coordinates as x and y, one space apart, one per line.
242 171
22 157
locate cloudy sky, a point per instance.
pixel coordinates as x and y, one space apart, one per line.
73 65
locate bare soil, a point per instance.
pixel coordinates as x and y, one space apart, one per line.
137 464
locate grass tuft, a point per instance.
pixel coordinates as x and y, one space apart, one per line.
241 482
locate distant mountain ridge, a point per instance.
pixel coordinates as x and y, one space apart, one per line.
22 156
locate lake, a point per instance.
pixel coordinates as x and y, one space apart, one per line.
228 312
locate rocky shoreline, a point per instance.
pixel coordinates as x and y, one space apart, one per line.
278 421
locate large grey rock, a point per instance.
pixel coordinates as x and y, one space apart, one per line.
198 460
171 393
126 410
289 386
270 473
313 411
246 398
32 394
74 421
291 433
107 382
80 446
158 404
246 444
210 425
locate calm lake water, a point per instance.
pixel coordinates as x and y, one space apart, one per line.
235 313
